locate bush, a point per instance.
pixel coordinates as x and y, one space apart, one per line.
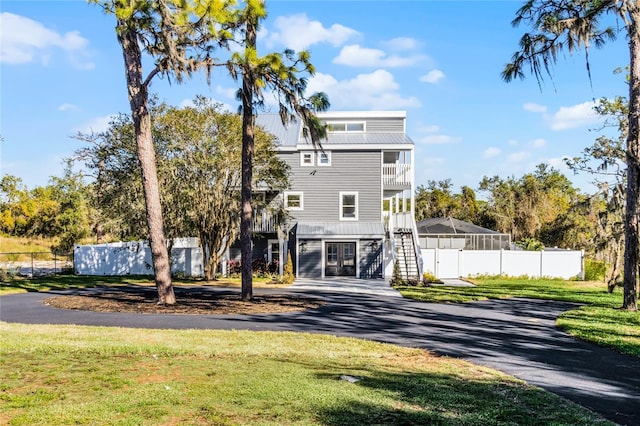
287 273
594 270
396 278
429 278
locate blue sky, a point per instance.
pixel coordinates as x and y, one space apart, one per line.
440 61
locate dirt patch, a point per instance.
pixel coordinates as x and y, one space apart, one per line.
190 302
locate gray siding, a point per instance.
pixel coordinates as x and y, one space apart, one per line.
350 171
373 124
310 262
383 125
370 260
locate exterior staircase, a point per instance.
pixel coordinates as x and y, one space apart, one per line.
406 254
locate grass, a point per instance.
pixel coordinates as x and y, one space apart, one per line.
53 375
64 282
599 321
25 245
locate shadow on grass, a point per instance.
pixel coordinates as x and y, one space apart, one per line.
451 399
65 282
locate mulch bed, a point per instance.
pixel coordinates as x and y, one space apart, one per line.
189 301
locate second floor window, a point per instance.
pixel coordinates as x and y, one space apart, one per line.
348 206
307 158
324 158
293 200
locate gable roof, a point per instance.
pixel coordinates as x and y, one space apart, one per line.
449 225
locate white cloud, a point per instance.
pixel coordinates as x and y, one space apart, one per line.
355 55
401 43
532 107
96 125
574 116
23 40
298 32
432 76
518 157
68 107
377 90
439 140
227 92
491 152
538 143
430 128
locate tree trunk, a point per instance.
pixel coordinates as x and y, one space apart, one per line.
632 207
138 99
247 176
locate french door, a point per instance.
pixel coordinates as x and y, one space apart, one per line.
340 259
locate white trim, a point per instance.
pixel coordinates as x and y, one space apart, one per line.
299 193
270 251
341 212
363 147
313 158
321 154
361 114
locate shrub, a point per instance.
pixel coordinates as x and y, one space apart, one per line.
429 278
594 270
287 273
396 278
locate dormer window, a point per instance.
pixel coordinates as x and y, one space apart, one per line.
346 127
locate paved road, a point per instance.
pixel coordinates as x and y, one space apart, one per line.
516 336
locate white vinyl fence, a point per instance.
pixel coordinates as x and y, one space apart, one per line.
134 258
454 263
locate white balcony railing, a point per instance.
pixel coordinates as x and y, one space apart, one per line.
264 222
396 175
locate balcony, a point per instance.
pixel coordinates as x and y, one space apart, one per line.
264 222
396 176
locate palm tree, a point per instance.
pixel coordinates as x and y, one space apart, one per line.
571 25
277 73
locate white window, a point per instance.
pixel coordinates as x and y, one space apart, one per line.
273 251
307 158
350 126
324 158
348 206
293 200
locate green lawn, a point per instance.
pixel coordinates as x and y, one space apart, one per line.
599 321
52 375
62 282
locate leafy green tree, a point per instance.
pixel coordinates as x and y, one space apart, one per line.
527 207
279 74
180 36
605 160
571 25
201 174
198 154
71 221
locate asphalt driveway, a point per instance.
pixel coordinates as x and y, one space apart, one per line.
516 336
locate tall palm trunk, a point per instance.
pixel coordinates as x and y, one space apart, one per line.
248 83
632 208
138 99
